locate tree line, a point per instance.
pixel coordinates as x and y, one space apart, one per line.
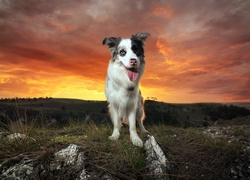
27 99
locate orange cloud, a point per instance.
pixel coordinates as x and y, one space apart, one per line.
164 49
165 11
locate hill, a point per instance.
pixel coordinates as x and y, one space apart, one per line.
61 111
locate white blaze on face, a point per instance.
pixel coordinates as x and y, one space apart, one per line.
125 55
126 45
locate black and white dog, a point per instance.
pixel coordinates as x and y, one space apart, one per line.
122 90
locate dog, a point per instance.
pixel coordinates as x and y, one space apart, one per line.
122 91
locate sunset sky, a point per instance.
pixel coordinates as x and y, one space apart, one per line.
198 51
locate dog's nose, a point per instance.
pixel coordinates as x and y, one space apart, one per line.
133 62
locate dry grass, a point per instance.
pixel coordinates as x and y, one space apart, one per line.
194 155
119 159
197 155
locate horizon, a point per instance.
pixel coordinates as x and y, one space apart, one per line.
198 51
145 99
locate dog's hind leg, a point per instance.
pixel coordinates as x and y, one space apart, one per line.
142 128
116 123
140 116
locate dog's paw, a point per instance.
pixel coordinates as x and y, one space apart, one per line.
137 141
114 136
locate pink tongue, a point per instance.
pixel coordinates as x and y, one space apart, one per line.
132 74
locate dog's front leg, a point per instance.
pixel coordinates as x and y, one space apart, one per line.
132 128
116 123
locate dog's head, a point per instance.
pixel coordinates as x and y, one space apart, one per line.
128 52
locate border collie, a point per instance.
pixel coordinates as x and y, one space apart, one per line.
122 90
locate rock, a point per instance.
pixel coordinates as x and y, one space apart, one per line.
21 170
17 136
70 159
67 163
157 164
68 156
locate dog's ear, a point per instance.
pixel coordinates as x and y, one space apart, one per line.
111 41
142 36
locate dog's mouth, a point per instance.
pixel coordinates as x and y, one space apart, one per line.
132 74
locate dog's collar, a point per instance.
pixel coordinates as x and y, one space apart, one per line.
131 88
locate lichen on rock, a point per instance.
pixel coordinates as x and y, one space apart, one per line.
157 163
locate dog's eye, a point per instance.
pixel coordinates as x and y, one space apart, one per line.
122 52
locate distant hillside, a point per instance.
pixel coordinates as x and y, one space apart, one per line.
240 104
54 110
61 111
195 115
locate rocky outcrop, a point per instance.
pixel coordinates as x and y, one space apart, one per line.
158 164
71 158
69 163
21 170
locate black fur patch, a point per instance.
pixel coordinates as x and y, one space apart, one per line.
131 88
111 41
137 47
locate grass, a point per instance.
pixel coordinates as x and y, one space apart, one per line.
192 153
197 155
103 155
